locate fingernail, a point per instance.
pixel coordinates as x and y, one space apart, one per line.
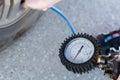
45 9
54 1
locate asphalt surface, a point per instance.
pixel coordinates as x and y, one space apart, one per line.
34 56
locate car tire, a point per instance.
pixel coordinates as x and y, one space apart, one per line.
11 29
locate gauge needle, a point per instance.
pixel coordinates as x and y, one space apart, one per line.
78 52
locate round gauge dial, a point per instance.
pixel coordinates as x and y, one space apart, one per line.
79 53
79 50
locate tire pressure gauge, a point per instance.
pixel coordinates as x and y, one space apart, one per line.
79 53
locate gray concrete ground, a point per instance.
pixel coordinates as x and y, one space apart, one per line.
35 55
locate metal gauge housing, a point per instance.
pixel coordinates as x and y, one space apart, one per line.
79 53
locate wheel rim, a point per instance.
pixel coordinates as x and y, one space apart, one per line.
10 12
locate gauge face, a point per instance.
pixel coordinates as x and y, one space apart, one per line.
79 50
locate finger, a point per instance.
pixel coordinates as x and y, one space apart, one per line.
118 60
118 78
52 2
115 58
40 4
45 9
25 5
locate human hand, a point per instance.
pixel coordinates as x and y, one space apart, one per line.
118 78
39 4
117 58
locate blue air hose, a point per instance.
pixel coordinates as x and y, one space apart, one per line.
65 18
